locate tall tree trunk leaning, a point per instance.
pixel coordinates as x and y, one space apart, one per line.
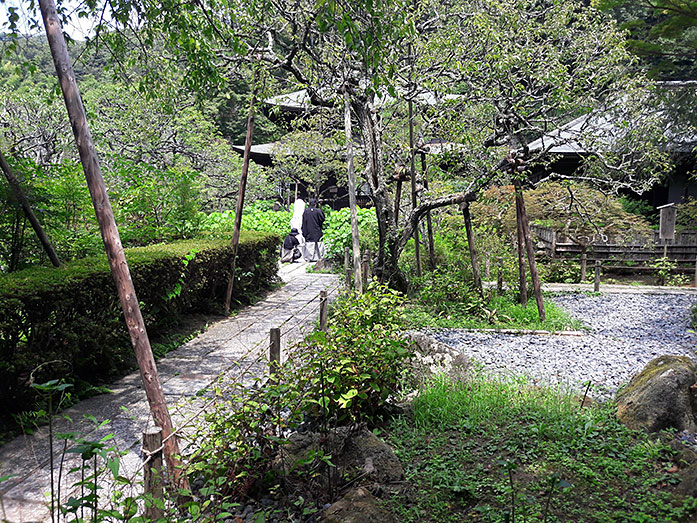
429 225
531 252
357 273
17 189
522 279
472 247
240 199
112 241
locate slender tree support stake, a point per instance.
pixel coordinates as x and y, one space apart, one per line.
152 473
19 194
472 247
240 198
347 266
531 253
274 353
412 169
323 311
522 278
355 243
429 224
112 240
596 282
695 272
499 278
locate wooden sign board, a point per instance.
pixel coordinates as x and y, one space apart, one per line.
667 227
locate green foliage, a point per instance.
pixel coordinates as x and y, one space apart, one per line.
337 232
686 215
495 448
449 300
359 361
639 207
344 375
663 271
71 316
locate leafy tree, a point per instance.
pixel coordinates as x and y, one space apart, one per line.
662 32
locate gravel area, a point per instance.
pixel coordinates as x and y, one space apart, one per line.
625 332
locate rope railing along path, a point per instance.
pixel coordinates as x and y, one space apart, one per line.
235 348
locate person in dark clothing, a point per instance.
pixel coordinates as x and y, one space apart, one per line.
313 219
290 251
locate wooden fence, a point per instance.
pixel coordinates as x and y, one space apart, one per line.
626 252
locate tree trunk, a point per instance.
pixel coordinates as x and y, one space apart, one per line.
240 198
17 189
522 279
357 277
531 253
472 247
112 241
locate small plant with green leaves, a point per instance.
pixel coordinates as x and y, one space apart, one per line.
358 363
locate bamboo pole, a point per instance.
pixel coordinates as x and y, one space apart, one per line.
28 211
112 240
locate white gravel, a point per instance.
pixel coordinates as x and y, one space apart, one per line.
626 331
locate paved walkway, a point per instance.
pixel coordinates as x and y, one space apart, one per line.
235 347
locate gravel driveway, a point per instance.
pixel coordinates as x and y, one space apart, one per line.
625 332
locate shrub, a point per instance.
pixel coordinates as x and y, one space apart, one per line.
71 316
353 368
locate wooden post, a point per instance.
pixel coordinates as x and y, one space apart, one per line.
112 240
353 208
274 353
347 266
240 196
398 196
152 474
429 224
695 272
366 270
522 278
412 169
499 280
472 247
323 311
584 261
596 283
531 254
29 212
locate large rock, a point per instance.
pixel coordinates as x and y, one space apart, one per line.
356 455
358 506
660 396
433 357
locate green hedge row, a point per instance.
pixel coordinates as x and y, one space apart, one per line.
68 322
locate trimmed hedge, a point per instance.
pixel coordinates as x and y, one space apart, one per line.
68 323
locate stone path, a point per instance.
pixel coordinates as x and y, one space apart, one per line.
235 347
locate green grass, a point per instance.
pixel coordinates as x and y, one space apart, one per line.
496 312
496 451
